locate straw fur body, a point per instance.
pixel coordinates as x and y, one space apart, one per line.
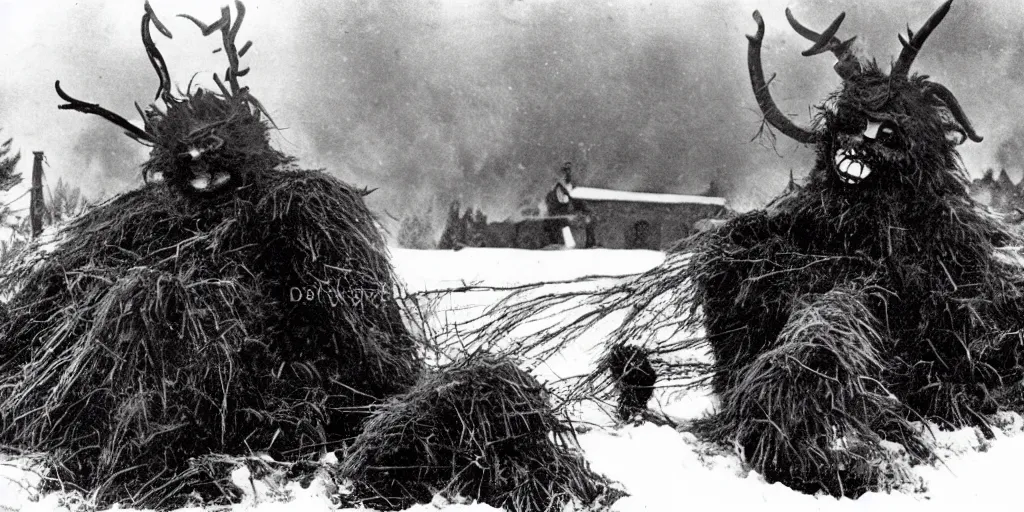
840 313
233 305
164 328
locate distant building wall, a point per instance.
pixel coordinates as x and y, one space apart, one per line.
522 234
629 225
612 219
607 224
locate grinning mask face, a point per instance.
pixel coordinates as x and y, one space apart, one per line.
865 141
878 130
203 142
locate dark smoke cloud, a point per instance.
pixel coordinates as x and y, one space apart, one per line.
488 107
433 100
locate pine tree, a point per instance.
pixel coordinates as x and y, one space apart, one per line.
466 222
8 177
454 232
65 202
477 236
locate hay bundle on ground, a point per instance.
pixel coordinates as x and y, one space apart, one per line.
480 428
163 329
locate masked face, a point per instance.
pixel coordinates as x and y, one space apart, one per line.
196 165
887 133
866 148
883 130
207 145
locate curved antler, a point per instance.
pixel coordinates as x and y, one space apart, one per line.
229 31
771 111
91 108
155 57
163 91
911 48
847 65
946 97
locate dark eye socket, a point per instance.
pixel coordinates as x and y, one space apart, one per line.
849 123
889 134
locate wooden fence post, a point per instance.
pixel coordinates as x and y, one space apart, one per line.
36 204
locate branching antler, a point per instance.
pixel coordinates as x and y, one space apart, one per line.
771 111
824 41
91 108
847 65
163 91
912 47
229 31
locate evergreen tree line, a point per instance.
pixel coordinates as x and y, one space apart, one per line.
464 228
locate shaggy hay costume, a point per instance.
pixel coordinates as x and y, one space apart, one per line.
236 307
480 428
874 296
881 278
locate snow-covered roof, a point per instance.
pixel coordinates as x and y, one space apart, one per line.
603 194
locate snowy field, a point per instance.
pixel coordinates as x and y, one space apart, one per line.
660 468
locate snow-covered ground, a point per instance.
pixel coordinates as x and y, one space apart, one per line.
666 470
661 469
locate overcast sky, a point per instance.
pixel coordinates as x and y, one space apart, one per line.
431 100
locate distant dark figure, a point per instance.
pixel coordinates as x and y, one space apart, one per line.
634 377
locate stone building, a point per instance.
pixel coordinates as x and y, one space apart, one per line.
616 219
577 217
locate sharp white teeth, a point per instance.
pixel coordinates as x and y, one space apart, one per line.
855 169
858 170
850 171
201 181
